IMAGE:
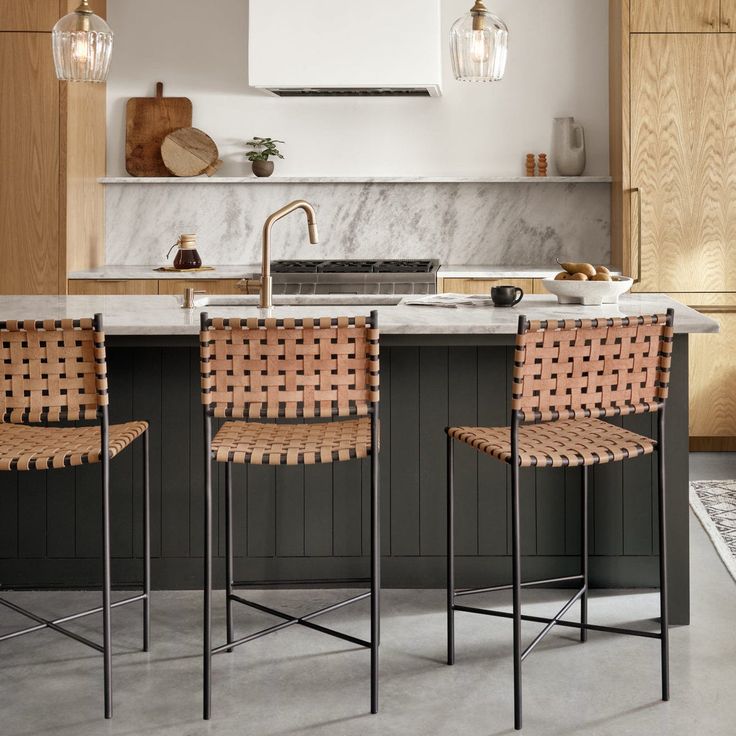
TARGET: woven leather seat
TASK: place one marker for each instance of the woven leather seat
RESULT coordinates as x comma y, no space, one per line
24,447
292,444
558,444
569,378
54,372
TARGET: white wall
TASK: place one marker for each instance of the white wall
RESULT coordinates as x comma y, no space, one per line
558,65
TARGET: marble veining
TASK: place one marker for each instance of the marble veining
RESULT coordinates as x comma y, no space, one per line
463,223
163,315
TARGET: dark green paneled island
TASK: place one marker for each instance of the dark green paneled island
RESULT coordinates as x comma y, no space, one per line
438,367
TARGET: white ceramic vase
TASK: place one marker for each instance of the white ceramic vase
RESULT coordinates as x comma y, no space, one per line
569,147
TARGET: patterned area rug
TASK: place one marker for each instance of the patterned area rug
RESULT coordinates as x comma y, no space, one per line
714,502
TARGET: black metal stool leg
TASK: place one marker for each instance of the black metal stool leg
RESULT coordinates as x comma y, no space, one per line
229,551
663,600
207,684
106,572
375,564
450,551
584,555
146,543
516,551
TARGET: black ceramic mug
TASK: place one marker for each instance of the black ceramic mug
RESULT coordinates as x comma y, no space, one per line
506,296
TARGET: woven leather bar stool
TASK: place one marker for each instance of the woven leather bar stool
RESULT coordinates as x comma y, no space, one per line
568,377
312,369
52,372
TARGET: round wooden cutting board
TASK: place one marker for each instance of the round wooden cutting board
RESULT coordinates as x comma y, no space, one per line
190,152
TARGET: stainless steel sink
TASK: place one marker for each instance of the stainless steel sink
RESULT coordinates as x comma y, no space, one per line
307,300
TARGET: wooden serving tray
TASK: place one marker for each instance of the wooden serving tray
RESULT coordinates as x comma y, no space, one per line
172,269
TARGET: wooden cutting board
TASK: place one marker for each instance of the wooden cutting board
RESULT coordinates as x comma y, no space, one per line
148,121
190,152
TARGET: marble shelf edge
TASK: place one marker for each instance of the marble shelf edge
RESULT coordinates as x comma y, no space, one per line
131,180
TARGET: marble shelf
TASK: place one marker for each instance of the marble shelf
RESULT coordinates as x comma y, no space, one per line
132,180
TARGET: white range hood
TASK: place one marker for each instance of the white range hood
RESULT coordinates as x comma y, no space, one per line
343,48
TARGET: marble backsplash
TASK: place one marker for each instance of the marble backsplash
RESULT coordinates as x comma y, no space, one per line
457,223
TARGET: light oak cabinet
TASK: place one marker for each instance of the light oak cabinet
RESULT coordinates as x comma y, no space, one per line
728,16
713,374
29,169
132,287
52,149
673,165
126,287
683,160
30,15
177,287
675,16
482,286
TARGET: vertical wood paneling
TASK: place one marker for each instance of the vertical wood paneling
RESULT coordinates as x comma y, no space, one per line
385,457
347,494
88,500
147,404
175,387
551,512
318,531
434,415
261,511
196,459
60,489
607,509
404,417
290,512
9,515
32,514
463,399
573,495
637,475
121,468
493,411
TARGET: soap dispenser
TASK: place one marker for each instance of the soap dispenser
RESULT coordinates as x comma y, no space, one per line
186,258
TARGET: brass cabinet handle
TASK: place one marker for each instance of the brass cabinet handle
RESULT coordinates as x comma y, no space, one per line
726,22
637,278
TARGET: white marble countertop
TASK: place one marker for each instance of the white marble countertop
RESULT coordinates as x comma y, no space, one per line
128,180
126,273
163,315
117,273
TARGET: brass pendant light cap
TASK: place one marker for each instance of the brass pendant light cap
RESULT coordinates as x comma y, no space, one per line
84,8
479,11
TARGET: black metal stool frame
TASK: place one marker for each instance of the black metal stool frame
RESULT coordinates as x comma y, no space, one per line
581,594
288,620
107,605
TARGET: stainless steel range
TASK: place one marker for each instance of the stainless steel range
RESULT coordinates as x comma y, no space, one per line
355,277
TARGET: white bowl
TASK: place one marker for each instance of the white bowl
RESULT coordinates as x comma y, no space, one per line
590,293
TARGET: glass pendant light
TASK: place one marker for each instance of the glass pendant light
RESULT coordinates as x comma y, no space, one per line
479,44
82,44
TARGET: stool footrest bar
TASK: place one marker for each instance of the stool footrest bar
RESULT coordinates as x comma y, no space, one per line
529,584
568,624
331,582
290,620
55,624
555,620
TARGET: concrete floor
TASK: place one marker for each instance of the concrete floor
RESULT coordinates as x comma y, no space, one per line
300,682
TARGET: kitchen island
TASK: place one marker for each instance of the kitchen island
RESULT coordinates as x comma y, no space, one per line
439,366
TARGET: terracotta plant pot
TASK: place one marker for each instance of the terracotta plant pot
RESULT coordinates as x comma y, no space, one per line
263,168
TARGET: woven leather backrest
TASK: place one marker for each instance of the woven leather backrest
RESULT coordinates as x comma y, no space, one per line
289,368
591,368
52,371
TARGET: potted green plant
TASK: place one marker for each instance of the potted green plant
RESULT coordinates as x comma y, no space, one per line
264,149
